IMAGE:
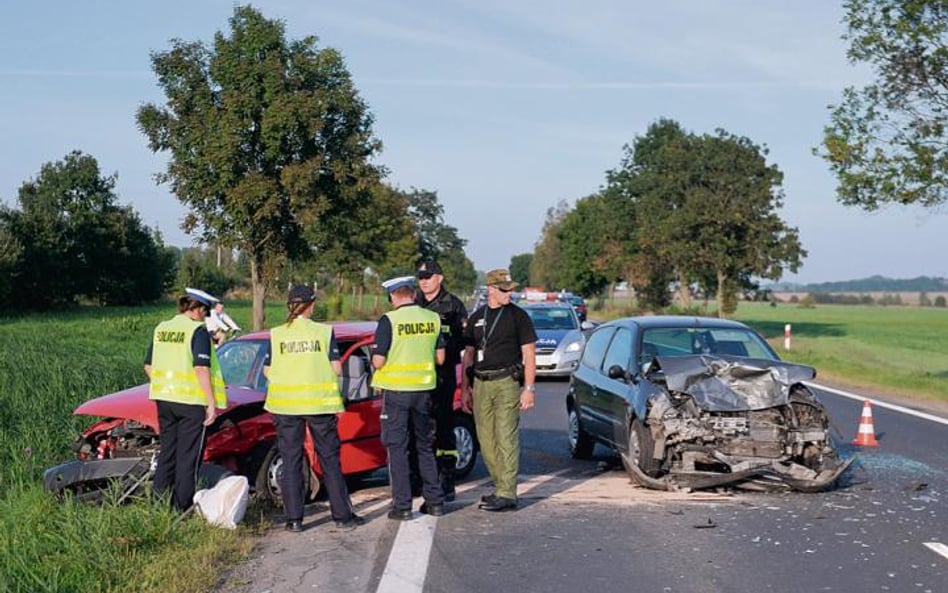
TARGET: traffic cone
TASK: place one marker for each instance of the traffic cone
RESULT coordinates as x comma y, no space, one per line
866,435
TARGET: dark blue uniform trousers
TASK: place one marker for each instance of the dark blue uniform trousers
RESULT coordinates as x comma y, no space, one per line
401,410
322,427
181,444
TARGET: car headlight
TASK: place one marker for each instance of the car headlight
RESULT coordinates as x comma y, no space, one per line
574,347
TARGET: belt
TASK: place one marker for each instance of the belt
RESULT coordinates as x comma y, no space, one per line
492,375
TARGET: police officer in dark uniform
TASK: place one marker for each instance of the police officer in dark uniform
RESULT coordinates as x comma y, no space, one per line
408,346
434,297
302,364
187,387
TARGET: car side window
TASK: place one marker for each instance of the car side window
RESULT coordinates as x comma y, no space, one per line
596,347
355,378
619,352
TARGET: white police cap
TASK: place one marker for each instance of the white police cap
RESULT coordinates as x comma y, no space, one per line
201,296
393,284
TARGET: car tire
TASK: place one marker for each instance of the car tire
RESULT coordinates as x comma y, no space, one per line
581,445
269,479
639,451
466,441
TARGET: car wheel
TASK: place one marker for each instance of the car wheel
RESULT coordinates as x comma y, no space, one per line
269,481
466,440
580,444
639,452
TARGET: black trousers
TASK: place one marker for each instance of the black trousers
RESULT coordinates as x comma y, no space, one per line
401,410
290,435
442,411
181,442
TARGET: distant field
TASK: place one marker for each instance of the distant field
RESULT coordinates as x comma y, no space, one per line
901,350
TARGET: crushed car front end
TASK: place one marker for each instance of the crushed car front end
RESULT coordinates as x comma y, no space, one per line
753,423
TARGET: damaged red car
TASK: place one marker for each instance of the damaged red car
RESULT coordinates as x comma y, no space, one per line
121,447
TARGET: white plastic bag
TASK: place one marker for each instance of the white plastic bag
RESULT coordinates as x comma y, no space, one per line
224,505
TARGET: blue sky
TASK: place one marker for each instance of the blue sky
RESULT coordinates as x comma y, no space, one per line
504,108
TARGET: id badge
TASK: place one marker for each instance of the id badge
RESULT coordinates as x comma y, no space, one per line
480,356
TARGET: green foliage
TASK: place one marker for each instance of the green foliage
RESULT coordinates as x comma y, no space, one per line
520,268
440,241
546,267
51,363
70,239
269,143
198,268
886,142
807,302
940,301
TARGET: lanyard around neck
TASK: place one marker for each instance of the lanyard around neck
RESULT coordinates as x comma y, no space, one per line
488,333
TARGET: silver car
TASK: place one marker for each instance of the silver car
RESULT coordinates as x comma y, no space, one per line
560,337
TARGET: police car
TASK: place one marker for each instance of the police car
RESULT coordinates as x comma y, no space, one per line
560,338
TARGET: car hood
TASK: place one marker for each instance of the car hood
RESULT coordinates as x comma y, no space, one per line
133,404
551,338
732,384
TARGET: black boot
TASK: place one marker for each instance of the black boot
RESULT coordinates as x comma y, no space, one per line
446,466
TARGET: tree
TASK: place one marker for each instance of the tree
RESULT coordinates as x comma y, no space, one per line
10,252
546,266
270,144
520,268
76,241
439,240
888,142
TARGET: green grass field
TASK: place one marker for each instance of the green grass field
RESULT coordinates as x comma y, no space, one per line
897,350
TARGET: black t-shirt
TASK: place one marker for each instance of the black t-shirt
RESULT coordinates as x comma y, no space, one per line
506,329
453,315
200,348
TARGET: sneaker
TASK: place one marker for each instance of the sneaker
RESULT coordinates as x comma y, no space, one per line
488,497
435,510
350,523
294,526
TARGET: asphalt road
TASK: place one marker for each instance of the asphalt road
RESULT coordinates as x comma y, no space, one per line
582,527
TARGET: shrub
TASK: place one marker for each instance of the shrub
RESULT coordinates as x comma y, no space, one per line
940,301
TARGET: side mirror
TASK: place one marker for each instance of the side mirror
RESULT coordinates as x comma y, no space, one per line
587,325
616,372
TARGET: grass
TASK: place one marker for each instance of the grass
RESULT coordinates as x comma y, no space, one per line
900,350
50,364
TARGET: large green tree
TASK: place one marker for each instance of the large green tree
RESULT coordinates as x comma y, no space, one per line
75,240
546,267
270,144
888,142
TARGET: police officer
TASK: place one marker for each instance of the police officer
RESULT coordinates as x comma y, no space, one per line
187,386
500,347
408,345
303,365
434,297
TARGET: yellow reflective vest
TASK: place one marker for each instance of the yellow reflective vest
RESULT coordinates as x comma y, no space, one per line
301,379
172,366
410,362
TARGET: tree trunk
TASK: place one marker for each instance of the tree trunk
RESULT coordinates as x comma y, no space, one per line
721,293
684,291
259,291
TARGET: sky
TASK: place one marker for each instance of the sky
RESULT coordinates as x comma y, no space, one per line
504,108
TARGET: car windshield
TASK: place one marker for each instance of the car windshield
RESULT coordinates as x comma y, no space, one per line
670,342
552,317
241,362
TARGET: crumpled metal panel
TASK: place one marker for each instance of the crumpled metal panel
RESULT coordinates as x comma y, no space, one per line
732,384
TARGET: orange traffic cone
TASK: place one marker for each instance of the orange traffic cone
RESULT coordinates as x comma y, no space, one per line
866,435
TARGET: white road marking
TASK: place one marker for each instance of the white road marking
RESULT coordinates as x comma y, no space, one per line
408,561
882,404
407,564
938,548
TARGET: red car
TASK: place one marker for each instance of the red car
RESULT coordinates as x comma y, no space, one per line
122,446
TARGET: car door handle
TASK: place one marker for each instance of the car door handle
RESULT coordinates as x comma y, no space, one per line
594,391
